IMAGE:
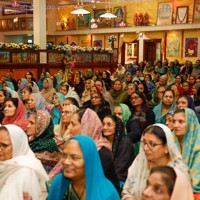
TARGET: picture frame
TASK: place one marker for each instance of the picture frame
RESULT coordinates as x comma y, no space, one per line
16,25
22,23
83,22
30,24
120,12
191,47
97,43
4,24
102,22
10,24
165,11
182,15
196,11
115,55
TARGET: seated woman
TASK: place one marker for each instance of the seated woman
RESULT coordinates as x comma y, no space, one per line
170,181
35,102
186,130
117,93
140,111
40,136
4,95
70,100
131,87
87,122
22,175
169,120
86,93
79,179
25,95
14,112
22,84
61,131
48,90
121,145
142,87
186,101
68,91
57,101
157,148
167,104
99,105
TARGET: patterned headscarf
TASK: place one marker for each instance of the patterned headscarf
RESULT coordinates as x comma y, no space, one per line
191,147
43,140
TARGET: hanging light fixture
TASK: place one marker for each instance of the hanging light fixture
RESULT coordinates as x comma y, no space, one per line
108,14
80,10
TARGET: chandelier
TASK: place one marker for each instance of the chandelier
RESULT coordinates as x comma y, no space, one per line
80,10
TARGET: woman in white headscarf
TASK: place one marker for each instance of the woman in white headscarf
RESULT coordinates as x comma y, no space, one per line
22,176
157,148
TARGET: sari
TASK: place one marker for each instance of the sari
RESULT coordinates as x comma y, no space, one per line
138,172
105,189
23,174
191,147
18,118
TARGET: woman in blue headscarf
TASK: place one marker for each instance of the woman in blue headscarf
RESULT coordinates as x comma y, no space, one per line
43,76
57,101
82,171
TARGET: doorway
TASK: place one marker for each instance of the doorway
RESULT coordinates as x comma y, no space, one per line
152,50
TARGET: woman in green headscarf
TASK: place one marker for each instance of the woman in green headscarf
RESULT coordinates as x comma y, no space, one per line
187,138
40,135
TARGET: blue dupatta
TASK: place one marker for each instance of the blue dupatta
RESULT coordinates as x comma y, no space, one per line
97,186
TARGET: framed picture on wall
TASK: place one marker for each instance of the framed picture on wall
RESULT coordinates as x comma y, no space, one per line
22,24
182,14
102,22
30,24
10,24
4,25
120,12
115,55
191,47
97,43
83,21
16,25
196,12
165,11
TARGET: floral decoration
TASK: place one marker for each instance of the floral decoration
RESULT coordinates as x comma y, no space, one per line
20,46
112,38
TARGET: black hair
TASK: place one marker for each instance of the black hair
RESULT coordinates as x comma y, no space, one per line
168,90
142,96
157,131
168,176
6,94
14,100
73,100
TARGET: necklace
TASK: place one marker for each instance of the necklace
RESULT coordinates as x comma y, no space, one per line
72,191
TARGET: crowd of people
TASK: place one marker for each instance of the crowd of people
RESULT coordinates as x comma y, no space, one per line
131,135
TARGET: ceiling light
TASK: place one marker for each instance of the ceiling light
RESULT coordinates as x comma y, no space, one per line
80,11
108,15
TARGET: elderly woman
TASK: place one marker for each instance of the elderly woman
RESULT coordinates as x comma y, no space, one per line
35,102
157,148
86,93
186,130
48,90
61,131
79,179
40,136
22,175
14,112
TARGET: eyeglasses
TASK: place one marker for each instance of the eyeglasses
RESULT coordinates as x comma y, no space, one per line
108,124
4,146
66,112
134,98
150,145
